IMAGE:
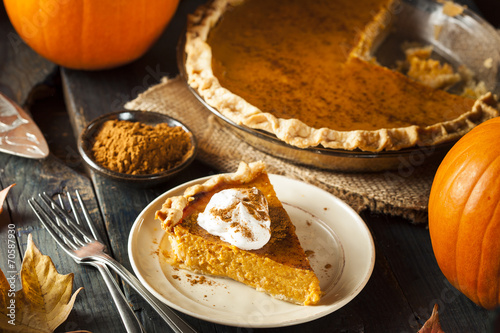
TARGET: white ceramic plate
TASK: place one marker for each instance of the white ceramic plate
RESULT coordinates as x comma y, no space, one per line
339,244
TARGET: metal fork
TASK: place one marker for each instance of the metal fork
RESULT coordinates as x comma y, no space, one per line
130,321
87,249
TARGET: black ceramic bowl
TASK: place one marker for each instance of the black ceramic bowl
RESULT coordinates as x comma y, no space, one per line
87,140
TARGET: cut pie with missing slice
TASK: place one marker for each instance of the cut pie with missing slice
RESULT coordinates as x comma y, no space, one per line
304,72
233,209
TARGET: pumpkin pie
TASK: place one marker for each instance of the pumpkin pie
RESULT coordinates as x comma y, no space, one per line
304,72
276,265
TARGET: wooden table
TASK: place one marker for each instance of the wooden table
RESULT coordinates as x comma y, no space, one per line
406,281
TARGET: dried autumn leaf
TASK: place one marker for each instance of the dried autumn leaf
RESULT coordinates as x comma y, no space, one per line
45,300
432,325
3,195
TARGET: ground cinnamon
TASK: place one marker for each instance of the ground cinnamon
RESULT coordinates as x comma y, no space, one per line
136,148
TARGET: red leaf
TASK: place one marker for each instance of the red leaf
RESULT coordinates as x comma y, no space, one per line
432,325
3,195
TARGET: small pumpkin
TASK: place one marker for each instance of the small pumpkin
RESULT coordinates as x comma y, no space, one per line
90,34
464,215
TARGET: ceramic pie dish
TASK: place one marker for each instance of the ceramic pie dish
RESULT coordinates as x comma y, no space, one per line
457,42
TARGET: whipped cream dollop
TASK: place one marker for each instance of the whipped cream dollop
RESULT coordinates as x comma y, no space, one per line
239,217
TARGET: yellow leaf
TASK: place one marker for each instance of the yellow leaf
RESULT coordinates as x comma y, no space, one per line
45,300
3,195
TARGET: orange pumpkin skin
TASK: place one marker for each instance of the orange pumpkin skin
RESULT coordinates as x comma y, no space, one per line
90,34
464,215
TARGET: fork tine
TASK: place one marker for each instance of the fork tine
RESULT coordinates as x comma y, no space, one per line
63,206
73,208
61,202
77,216
63,225
69,220
58,224
66,244
88,218
59,211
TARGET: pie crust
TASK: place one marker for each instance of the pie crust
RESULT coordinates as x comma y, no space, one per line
280,268
173,208
298,132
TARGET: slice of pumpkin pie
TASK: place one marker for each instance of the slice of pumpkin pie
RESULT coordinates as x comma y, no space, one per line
233,225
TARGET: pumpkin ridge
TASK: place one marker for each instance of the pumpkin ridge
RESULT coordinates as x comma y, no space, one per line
488,226
495,212
144,17
460,226
83,33
119,36
449,184
44,35
449,164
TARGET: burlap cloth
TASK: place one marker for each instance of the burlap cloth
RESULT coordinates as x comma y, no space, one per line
402,192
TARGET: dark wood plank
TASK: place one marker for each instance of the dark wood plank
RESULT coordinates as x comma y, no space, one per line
409,253
9,247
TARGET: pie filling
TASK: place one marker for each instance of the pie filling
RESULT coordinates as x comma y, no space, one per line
303,72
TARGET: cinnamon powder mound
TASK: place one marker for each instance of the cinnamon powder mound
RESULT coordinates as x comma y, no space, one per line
139,149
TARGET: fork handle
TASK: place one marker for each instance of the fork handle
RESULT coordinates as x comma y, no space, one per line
176,323
130,321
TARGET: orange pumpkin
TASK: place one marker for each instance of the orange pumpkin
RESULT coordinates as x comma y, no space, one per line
90,34
464,215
